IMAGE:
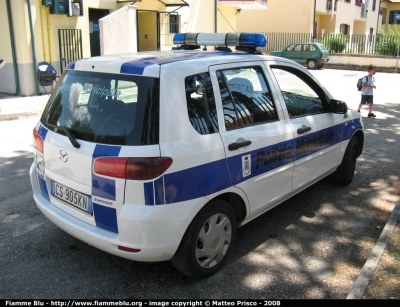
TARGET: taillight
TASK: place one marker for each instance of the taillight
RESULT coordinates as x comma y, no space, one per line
320,56
132,168
37,140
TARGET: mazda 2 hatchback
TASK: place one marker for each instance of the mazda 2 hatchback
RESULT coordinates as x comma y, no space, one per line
160,156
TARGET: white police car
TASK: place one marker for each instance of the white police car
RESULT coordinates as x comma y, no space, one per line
159,156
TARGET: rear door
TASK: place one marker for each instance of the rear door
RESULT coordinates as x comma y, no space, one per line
309,52
258,142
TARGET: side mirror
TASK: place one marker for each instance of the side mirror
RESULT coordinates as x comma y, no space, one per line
337,106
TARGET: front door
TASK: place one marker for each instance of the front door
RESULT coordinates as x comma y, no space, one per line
318,133
293,52
147,30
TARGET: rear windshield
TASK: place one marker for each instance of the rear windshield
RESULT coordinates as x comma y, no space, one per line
106,108
323,48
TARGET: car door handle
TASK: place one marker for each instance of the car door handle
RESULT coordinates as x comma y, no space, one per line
303,129
238,145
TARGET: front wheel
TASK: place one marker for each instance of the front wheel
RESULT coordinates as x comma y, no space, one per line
345,172
311,64
207,241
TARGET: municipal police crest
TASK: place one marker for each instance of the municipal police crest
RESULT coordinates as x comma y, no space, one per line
246,165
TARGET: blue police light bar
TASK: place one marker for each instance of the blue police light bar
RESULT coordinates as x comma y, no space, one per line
221,39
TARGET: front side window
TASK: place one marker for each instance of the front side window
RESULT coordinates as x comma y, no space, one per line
246,97
200,101
294,48
105,108
301,96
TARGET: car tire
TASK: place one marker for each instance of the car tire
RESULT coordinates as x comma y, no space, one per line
320,66
207,241
311,64
345,172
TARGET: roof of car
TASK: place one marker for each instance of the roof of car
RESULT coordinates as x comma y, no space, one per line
148,63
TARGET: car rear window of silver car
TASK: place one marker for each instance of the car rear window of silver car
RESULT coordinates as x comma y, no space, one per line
106,108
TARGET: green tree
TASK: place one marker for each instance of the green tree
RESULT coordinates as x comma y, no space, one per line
335,42
388,43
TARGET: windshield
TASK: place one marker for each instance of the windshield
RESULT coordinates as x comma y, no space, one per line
105,108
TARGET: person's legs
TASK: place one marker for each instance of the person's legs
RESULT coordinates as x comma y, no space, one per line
363,101
370,102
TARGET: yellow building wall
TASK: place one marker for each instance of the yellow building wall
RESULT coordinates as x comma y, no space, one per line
198,17
326,25
226,19
389,7
281,16
43,45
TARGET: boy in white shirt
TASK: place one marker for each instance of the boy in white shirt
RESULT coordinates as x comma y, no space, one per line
368,86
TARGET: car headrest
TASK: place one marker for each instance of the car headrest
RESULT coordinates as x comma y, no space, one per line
241,85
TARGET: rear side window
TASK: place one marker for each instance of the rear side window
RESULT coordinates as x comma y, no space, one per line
200,100
246,97
309,47
106,108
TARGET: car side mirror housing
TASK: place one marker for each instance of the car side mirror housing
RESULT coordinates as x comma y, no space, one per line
337,106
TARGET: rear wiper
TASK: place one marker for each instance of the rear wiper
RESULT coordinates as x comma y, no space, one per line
69,134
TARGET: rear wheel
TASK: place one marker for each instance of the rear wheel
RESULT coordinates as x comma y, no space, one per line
311,64
345,172
207,241
320,66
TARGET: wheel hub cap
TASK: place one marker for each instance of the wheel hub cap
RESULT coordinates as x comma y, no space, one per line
215,240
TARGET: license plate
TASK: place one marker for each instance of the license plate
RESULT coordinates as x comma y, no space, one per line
72,197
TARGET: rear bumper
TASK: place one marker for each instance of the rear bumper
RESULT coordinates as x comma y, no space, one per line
155,230
322,61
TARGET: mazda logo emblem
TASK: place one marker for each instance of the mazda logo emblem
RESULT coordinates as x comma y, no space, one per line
63,156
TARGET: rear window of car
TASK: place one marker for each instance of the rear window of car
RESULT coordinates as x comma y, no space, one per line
106,108
323,48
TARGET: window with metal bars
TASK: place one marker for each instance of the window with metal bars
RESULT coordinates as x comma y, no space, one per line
173,23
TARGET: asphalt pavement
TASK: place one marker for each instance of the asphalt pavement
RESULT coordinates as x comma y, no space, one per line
18,107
